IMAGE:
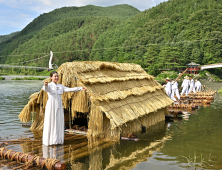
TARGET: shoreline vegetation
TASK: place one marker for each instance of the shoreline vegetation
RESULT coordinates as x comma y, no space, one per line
2,78
203,75
29,78
31,75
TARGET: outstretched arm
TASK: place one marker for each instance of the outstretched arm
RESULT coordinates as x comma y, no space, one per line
74,89
45,87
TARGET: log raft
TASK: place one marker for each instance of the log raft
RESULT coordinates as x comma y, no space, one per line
24,158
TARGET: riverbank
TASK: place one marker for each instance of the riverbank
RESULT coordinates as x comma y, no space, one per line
23,77
24,72
202,76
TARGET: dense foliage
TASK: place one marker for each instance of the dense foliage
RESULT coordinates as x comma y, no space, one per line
58,23
169,35
6,37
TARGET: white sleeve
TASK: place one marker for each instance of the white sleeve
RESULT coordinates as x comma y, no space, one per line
46,88
74,89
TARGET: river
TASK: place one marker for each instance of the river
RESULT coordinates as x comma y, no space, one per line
192,142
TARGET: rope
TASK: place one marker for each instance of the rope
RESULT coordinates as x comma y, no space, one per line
22,54
1,151
49,162
30,60
7,153
14,155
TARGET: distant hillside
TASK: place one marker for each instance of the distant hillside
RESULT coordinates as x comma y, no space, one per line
152,37
169,35
6,37
63,15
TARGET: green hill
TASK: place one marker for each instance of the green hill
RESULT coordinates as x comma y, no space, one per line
48,22
6,37
169,35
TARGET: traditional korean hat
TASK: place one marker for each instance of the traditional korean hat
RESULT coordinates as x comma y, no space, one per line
167,78
186,77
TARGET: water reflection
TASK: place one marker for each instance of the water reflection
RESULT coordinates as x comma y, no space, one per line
170,145
55,152
125,154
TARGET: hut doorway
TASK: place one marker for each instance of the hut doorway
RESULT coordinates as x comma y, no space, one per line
79,123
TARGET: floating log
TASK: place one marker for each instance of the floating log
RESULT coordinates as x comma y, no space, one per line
184,106
76,131
169,116
132,139
21,140
7,154
26,125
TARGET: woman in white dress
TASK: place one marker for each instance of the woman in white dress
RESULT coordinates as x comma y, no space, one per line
53,130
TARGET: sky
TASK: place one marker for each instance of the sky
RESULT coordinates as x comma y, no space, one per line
16,14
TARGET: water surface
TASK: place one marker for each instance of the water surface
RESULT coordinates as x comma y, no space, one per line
194,142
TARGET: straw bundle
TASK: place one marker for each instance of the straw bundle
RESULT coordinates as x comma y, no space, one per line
120,97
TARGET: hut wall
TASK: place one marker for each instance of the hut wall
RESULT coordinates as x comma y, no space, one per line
95,124
132,126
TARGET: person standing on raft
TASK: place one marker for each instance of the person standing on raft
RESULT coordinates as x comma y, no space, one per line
168,87
185,85
53,130
175,89
198,86
192,85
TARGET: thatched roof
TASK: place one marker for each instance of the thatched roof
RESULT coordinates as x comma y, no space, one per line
124,92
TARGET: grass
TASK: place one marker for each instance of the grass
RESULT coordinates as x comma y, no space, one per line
193,162
33,78
29,78
2,78
220,90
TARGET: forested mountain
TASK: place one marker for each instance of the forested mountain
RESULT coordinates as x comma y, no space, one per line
171,34
58,22
6,37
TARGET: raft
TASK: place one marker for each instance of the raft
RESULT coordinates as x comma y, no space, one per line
31,160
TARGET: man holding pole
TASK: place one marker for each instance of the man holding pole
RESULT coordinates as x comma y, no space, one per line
192,85
168,87
185,85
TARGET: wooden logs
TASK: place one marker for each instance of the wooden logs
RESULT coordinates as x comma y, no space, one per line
21,156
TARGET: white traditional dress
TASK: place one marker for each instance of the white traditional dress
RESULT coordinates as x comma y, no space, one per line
53,130
175,90
192,86
185,86
168,88
198,85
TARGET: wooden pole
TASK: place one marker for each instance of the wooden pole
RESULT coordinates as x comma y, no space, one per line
181,75
57,166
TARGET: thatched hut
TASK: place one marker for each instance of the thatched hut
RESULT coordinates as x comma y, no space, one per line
120,98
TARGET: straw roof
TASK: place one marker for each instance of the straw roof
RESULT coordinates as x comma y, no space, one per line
123,91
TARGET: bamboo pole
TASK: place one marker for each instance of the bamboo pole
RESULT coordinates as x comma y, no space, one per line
181,75
86,153
76,137
83,149
57,166
20,140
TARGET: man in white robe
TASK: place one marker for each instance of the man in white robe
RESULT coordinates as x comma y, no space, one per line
168,87
185,85
192,85
175,89
198,85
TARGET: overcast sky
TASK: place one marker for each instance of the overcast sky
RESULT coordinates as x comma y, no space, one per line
16,14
